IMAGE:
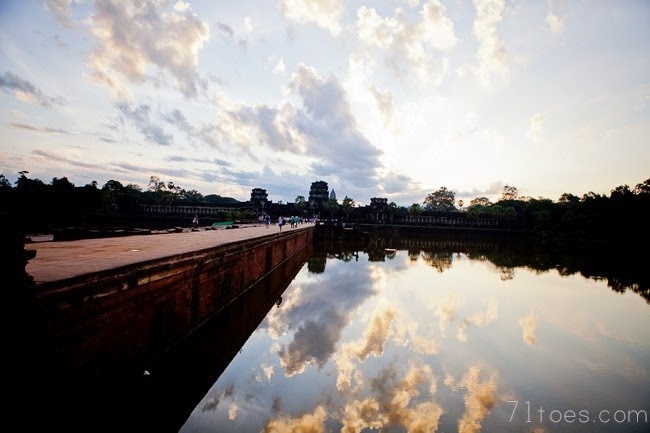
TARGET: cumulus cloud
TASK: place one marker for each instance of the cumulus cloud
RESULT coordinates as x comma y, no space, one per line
312,344
232,412
446,312
317,317
133,36
324,13
535,130
554,23
24,90
276,64
322,129
384,103
528,326
313,422
61,10
181,6
140,117
395,395
248,24
362,414
406,45
481,319
479,399
492,55
372,342
267,372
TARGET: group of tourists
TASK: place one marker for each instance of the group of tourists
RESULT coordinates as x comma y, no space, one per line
293,221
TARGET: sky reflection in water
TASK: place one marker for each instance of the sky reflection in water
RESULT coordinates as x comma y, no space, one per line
436,341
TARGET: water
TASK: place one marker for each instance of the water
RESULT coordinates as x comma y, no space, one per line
444,336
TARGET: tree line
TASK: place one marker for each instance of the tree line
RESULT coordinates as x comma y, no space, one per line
623,212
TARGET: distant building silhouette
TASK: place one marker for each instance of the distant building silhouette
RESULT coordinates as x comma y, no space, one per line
259,199
379,206
333,195
318,196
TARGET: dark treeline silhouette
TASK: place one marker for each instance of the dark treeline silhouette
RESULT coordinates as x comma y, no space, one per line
621,215
42,206
622,269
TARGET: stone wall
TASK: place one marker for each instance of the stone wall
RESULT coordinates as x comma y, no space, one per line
115,322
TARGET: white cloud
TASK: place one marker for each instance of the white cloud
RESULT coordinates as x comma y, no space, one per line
181,6
324,13
554,24
406,46
61,10
492,55
248,24
528,326
277,63
384,103
479,399
535,130
135,36
232,412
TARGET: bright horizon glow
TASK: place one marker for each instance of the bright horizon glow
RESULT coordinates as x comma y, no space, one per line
379,99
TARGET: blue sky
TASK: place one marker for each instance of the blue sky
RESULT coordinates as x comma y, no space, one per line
384,98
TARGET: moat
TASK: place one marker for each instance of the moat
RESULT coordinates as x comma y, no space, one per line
432,334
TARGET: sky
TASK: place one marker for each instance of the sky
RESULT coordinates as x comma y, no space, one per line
387,99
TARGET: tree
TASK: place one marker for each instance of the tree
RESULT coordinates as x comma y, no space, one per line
441,200
642,188
347,206
568,198
621,192
415,209
4,183
480,201
332,206
509,193
392,209
62,184
300,204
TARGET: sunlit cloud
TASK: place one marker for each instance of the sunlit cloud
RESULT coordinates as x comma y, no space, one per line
554,24
313,422
406,46
134,36
232,412
395,396
535,130
181,6
248,24
384,103
362,414
481,319
479,399
25,91
266,374
492,55
372,343
324,13
446,312
529,325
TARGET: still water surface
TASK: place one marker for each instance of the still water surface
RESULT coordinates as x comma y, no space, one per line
439,337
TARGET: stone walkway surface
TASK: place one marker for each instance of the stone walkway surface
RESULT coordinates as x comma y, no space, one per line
60,260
